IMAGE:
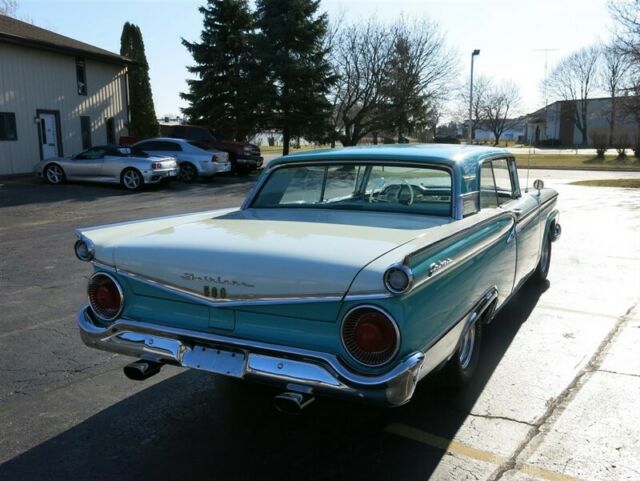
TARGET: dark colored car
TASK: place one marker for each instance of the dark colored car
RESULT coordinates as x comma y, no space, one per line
244,157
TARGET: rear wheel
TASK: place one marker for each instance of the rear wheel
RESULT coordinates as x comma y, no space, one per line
54,174
460,368
188,172
542,271
132,180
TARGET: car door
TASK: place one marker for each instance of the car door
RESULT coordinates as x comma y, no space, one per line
87,165
526,211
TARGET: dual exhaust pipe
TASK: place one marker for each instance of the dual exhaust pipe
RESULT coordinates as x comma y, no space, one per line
287,402
292,402
141,370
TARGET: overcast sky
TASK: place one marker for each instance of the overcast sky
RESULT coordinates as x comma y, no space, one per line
508,33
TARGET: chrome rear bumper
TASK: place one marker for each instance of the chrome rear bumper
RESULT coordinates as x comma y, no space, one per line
292,369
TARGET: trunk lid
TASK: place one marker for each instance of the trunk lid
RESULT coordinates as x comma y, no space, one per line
263,254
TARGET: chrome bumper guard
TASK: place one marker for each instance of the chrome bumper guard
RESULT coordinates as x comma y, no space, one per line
293,369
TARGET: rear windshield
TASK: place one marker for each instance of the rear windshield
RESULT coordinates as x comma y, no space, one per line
359,186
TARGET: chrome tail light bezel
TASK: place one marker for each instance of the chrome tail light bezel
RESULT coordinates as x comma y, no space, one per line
96,310
347,329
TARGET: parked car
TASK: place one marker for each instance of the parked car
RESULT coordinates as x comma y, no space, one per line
112,164
244,157
195,159
351,273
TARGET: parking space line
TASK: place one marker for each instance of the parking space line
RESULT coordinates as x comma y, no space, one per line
455,447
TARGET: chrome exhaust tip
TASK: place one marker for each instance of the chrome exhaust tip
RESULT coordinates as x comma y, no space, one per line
292,402
141,370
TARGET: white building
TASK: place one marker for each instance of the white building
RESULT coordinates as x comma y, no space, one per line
555,124
58,96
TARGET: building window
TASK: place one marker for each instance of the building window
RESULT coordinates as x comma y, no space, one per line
111,131
8,126
85,129
81,76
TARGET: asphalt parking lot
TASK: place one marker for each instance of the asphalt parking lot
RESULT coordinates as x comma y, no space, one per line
555,398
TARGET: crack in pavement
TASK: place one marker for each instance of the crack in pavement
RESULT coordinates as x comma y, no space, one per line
541,425
504,418
618,373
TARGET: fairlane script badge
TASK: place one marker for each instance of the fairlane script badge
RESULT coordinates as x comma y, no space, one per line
190,276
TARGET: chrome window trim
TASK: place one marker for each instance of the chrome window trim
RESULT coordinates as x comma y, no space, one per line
120,294
393,323
396,163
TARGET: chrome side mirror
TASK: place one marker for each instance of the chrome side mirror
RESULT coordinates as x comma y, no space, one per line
538,184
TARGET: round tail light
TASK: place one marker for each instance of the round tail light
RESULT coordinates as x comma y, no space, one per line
370,335
105,296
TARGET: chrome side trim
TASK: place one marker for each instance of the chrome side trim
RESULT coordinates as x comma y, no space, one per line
229,302
457,261
461,233
324,373
245,301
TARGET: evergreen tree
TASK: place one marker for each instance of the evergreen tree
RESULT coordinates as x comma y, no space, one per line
225,93
295,63
143,120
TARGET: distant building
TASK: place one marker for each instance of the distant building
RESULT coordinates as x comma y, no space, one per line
514,131
555,124
58,96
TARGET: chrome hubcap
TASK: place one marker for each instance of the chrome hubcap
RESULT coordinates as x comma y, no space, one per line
54,174
465,351
131,179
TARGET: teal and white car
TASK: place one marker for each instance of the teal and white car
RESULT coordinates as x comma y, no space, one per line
352,273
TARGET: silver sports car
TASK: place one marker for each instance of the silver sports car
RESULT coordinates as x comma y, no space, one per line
128,166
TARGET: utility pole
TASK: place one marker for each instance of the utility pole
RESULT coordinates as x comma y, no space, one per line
470,133
544,90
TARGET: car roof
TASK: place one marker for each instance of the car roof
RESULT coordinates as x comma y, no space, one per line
462,156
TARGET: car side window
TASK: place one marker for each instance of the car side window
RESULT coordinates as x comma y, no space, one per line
488,192
502,176
497,185
92,154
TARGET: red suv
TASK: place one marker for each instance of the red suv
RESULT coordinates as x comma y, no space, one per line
244,157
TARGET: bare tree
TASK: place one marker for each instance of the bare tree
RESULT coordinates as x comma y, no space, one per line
481,87
418,74
499,107
626,15
574,79
613,74
9,8
360,55
389,78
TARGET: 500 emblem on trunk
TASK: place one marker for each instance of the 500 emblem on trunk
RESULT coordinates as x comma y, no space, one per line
213,291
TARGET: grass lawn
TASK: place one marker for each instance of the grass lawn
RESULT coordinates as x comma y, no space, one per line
628,183
577,161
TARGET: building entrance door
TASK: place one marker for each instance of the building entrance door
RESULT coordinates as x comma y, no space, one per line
49,134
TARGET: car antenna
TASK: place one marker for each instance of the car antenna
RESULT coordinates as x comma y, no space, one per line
526,189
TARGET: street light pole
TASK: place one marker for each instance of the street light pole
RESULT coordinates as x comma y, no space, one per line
470,133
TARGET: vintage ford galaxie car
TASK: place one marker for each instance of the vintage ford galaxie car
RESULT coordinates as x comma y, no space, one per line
351,273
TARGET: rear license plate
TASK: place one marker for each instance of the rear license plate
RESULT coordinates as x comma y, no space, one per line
215,360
